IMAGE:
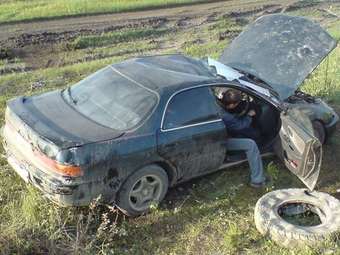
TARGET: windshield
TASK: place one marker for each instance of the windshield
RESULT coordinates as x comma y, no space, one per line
111,100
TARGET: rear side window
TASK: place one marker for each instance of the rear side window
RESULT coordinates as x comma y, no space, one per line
191,107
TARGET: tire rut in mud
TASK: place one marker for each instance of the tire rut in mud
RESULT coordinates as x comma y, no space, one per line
35,45
47,37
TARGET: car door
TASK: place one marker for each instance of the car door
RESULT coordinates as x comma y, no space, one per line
192,134
299,149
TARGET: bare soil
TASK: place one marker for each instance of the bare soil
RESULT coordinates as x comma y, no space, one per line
36,40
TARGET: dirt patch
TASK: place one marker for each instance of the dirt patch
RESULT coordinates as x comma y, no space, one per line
228,34
300,5
16,69
46,37
271,8
212,17
39,43
183,22
6,53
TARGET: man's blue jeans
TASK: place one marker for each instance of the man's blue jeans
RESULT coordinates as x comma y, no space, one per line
253,155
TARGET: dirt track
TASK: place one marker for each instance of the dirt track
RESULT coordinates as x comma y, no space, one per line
33,42
49,31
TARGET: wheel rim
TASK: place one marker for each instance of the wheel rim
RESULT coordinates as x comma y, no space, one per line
146,190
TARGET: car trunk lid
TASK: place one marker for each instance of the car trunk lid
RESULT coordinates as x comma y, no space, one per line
279,49
47,119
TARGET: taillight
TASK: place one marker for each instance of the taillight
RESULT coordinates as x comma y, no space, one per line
68,170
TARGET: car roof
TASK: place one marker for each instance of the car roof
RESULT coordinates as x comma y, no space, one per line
161,72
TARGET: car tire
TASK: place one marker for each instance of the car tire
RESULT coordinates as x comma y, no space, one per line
319,131
146,186
269,222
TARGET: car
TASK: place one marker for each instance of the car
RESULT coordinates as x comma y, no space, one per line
132,129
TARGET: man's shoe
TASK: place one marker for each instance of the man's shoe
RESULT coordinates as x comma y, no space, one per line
259,184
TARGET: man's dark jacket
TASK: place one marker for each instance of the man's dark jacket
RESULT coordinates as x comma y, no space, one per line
239,126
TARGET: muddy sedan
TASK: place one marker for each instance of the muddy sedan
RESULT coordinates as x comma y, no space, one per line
132,129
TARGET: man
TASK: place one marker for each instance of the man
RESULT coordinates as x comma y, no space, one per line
243,136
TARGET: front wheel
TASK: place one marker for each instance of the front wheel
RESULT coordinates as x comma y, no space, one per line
143,188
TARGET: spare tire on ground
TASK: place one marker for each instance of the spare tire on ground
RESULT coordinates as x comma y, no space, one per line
296,217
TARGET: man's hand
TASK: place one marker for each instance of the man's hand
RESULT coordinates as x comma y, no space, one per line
251,113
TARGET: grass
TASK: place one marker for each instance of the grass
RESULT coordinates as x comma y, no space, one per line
11,67
105,39
215,39
335,30
132,48
212,49
325,81
210,215
17,10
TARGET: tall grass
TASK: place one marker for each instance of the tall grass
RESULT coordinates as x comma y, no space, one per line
325,80
16,10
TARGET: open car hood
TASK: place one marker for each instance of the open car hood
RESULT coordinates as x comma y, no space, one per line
281,50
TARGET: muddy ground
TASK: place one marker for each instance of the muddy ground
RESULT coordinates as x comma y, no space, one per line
37,43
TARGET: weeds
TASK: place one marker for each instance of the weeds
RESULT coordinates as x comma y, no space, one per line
211,49
325,81
116,37
273,171
75,231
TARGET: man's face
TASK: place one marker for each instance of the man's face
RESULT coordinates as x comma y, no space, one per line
231,106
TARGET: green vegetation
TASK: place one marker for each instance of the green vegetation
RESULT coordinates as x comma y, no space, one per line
14,65
210,215
16,10
215,37
116,37
334,29
211,49
325,81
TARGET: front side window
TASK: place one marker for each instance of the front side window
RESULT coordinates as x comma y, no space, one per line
190,107
111,100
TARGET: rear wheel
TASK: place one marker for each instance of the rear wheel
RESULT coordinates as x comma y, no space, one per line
319,131
143,188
